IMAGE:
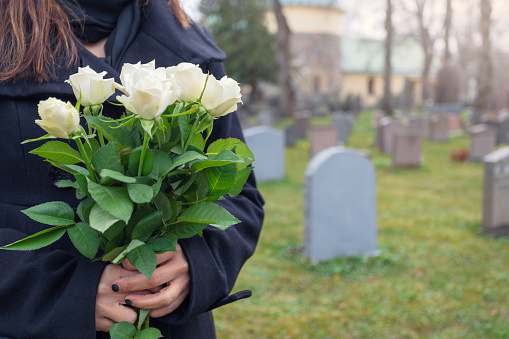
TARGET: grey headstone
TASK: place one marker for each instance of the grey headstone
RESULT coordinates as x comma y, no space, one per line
482,141
419,125
291,135
387,133
344,122
378,130
340,205
268,147
501,125
439,128
302,123
496,192
407,150
322,137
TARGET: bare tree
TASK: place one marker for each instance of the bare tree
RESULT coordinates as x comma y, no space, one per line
286,93
387,102
484,76
428,46
447,31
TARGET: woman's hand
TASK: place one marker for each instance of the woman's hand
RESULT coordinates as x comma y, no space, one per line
169,284
109,305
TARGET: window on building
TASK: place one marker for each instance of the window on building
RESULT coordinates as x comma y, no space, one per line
371,86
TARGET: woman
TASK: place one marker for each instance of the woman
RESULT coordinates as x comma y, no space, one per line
55,292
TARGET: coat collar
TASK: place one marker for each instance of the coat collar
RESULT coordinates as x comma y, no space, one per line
160,34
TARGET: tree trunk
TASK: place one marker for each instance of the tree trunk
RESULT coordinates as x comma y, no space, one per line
387,103
286,93
447,31
427,46
484,77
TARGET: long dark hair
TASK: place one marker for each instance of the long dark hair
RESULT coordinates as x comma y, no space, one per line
36,35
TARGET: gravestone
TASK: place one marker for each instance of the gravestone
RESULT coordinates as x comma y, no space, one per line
501,125
378,130
291,135
419,125
340,206
388,131
407,150
496,192
322,137
454,123
302,123
482,141
344,122
268,147
439,128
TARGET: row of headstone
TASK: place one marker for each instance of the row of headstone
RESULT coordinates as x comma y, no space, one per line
340,205
501,126
403,143
482,141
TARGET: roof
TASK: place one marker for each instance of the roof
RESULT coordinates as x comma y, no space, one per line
368,56
317,3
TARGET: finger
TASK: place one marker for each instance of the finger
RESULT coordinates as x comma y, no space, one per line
163,298
121,313
159,312
104,324
161,275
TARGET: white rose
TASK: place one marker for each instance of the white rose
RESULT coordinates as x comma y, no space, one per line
221,96
149,91
59,119
92,85
189,78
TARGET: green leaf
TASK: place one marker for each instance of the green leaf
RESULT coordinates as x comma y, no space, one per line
83,209
205,123
141,318
85,239
144,259
106,173
107,127
55,213
147,126
44,137
184,128
162,245
149,333
132,245
140,194
240,180
148,224
37,240
164,204
162,165
199,189
240,149
101,220
107,157
114,230
134,160
58,151
122,330
114,200
110,256
225,157
91,146
183,229
197,141
185,158
221,179
208,213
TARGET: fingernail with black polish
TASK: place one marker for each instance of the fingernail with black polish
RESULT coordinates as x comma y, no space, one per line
129,302
115,287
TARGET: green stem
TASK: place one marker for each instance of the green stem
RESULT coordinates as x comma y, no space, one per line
191,133
146,323
143,150
86,159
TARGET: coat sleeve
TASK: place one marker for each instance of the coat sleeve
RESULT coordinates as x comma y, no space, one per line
48,293
215,259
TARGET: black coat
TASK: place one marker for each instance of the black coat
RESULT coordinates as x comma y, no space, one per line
50,293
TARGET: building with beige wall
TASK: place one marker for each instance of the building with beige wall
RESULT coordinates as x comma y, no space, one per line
363,69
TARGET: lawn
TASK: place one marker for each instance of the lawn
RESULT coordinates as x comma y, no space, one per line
437,276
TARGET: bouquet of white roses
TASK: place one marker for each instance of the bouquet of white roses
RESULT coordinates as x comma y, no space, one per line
147,180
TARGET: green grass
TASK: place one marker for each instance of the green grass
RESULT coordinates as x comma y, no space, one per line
437,275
